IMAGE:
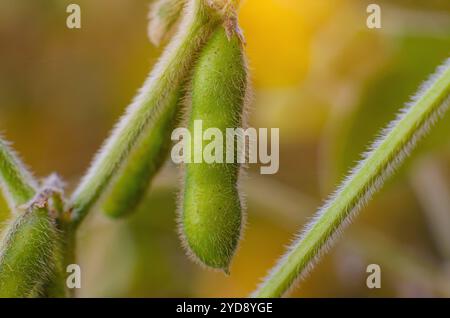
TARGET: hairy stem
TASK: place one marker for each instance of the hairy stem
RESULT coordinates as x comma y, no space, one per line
385,155
163,82
17,184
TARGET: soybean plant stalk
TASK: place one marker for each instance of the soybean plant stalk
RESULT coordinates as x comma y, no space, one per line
385,155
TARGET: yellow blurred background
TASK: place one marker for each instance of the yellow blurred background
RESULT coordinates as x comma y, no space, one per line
320,75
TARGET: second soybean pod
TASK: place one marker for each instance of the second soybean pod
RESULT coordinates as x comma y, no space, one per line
212,216
134,178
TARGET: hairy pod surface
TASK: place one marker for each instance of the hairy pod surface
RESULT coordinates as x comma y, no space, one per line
134,178
27,257
385,155
212,215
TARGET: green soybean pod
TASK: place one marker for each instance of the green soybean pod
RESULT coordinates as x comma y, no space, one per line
212,212
134,177
27,257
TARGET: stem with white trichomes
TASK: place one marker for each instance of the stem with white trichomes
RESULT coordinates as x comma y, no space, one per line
386,154
433,193
163,16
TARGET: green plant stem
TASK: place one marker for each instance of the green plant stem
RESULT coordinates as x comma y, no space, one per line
387,153
163,82
18,185
282,210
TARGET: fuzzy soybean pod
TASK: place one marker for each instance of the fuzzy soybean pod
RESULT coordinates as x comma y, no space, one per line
212,214
134,177
27,256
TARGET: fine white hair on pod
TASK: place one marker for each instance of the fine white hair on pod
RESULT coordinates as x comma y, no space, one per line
16,181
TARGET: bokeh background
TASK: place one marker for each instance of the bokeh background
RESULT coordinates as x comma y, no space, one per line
320,75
